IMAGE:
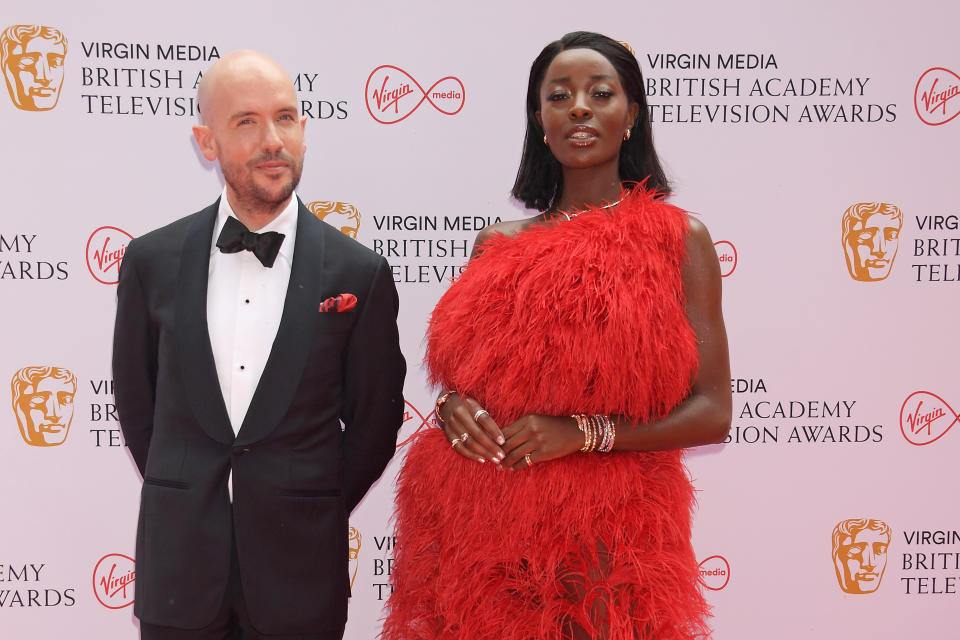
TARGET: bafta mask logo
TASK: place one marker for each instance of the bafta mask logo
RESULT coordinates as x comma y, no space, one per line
860,553
43,404
32,59
342,216
354,540
871,235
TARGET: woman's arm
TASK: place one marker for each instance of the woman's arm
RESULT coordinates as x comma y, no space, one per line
702,418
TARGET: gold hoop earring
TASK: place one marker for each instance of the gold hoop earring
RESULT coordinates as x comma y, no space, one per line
626,136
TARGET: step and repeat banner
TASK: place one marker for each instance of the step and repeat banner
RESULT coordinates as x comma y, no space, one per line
816,141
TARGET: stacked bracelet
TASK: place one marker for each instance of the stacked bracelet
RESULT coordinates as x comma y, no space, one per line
440,401
599,432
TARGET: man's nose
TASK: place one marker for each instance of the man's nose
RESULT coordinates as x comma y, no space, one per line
869,559
879,244
271,137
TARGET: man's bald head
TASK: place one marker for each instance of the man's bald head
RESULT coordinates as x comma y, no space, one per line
237,71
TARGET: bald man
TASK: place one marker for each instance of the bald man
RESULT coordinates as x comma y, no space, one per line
258,379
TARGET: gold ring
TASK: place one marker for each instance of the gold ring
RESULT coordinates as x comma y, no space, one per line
479,414
529,461
455,442
464,436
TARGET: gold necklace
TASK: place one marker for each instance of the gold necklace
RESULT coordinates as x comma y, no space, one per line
571,216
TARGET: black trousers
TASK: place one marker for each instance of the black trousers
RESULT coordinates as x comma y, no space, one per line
231,622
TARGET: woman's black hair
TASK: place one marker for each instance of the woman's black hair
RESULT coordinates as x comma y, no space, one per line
540,180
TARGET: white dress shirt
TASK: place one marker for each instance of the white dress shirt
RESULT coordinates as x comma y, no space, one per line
244,306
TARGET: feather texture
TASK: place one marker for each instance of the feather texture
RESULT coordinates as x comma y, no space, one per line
581,316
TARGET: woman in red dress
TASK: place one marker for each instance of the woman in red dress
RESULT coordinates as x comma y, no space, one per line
578,354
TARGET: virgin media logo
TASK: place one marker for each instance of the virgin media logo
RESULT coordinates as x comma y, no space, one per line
937,96
105,249
113,579
392,95
715,573
925,418
727,256
413,423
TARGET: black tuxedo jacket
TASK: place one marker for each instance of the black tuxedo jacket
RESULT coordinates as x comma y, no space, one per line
296,473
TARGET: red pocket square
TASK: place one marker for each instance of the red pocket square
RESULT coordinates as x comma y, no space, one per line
339,303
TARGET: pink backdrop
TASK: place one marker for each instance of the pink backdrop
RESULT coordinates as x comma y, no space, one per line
773,121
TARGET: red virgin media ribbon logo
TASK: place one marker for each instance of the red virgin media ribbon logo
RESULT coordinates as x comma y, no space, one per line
937,96
715,573
926,417
727,256
113,580
392,94
412,419
105,249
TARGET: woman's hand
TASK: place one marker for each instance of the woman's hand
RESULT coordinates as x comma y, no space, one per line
471,431
542,437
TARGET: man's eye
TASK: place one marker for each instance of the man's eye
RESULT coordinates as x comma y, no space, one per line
865,236
37,400
893,234
66,398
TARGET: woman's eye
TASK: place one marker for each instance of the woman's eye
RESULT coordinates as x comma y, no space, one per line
557,96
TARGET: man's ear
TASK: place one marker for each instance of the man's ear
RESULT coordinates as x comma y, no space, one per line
204,138
303,128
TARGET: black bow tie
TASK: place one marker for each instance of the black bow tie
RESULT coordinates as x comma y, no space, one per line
235,237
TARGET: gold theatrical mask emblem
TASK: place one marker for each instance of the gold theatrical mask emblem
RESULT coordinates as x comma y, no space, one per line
32,58
860,553
871,236
354,540
342,216
43,404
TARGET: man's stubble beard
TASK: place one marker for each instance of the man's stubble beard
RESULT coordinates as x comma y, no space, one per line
252,196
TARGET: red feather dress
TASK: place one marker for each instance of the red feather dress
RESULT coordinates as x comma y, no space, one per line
579,316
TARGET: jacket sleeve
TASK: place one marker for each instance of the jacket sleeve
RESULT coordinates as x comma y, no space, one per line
134,360
373,388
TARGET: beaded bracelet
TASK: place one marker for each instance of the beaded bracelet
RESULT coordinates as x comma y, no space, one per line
599,432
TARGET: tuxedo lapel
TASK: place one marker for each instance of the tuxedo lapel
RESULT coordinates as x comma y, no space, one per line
284,368
195,355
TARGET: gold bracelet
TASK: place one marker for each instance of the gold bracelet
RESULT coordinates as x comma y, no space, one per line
440,402
581,424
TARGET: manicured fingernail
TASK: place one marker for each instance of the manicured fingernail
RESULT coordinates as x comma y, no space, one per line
500,440
480,460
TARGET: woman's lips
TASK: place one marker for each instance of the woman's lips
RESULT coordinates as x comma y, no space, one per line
583,136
